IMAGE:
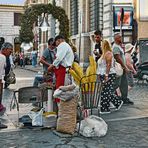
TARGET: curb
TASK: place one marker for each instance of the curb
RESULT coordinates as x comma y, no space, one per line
32,70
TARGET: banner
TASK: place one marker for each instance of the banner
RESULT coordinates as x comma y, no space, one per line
127,20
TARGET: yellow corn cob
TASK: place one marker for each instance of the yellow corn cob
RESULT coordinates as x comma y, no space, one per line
92,64
75,76
85,86
88,71
79,71
91,70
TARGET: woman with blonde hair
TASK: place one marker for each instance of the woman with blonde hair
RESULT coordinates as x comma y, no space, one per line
106,70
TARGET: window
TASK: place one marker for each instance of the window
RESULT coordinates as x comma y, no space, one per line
143,10
17,19
74,17
96,14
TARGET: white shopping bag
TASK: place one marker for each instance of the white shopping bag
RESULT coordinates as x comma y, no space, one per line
37,118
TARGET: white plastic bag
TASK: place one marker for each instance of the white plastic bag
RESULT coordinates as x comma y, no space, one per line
37,118
99,125
66,93
93,126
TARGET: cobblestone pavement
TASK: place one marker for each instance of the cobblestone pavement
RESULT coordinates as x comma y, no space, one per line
127,128
126,134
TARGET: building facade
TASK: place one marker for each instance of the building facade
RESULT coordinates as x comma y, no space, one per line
141,16
111,19
89,15
10,24
41,37
85,17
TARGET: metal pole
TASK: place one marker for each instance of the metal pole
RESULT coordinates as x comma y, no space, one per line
80,31
121,30
121,21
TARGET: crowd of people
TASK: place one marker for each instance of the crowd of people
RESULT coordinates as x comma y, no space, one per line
59,56
115,90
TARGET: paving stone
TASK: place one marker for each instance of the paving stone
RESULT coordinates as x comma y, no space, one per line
128,127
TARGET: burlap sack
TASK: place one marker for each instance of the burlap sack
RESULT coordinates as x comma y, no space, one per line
66,122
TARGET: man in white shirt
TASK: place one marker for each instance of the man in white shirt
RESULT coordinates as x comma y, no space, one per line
64,59
6,50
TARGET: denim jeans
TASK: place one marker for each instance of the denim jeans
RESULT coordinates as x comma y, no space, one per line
38,80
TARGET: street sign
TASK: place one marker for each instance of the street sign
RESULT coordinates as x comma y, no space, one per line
124,15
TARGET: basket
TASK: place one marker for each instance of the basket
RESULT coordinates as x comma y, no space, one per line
66,122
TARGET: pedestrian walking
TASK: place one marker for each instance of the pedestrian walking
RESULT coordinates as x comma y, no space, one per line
119,56
129,63
21,56
106,70
34,57
6,51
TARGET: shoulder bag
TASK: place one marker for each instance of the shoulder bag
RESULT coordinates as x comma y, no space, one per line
118,69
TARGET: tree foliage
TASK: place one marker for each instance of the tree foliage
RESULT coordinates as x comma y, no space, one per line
31,15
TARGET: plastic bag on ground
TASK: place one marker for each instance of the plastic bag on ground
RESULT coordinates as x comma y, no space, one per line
37,118
93,126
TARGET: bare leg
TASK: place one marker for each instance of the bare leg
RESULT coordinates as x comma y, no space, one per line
118,92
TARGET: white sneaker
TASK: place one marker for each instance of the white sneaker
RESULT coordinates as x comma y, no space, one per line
105,112
112,106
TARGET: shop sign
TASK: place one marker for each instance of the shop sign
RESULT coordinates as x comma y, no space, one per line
127,21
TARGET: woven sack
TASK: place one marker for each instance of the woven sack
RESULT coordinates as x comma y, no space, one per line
66,122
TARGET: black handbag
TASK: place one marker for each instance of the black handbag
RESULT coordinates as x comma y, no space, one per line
10,78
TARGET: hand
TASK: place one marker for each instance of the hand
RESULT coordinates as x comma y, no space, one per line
106,78
95,52
134,72
126,70
50,68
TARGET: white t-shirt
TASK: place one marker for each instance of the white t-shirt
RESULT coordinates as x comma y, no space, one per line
2,65
64,56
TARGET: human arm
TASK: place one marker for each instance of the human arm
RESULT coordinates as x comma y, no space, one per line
96,53
50,68
44,57
43,61
108,59
118,58
11,61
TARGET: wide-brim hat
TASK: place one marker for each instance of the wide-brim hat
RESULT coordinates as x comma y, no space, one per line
128,47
